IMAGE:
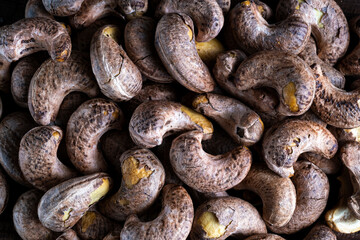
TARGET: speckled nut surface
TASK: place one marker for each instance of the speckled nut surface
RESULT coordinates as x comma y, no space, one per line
267,236
278,194
224,5
143,177
84,129
320,232
175,44
207,15
282,145
35,8
312,191
62,7
63,205
221,217
117,76
12,129
173,222
133,8
68,235
25,218
38,158
222,172
153,120
4,192
53,81
328,166
288,74
240,122
328,23
139,43
252,33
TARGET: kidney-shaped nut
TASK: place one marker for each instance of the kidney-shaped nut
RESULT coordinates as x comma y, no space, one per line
53,81
278,194
219,218
84,130
143,177
117,76
153,120
133,8
320,232
35,8
265,237
239,121
283,144
221,173
4,192
175,44
173,222
62,206
62,7
288,74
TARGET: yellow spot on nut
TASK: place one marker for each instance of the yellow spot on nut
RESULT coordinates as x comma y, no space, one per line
198,100
190,33
210,224
56,135
355,132
131,172
105,113
87,220
115,114
100,191
246,3
318,16
289,96
123,202
66,215
342,220
208,51
199,120
299,3
260,8
62,56
112,32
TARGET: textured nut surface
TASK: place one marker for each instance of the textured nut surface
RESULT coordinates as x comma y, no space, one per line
35,8
133,8
320,232
4,192
62,7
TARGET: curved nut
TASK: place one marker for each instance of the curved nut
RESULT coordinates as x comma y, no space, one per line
206,14
143,177
320,232
153,120
26,220
283,145
139,43
35,8
133,8
68,235
84,129
312,192
328,166
239,121
38,158
173,223
288,74
278,194
224,5
117,76
4,192
265,237
175,45
62,206
62,8
252,32
222,172
221,217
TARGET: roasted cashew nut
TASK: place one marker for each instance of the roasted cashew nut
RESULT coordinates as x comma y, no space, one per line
320,232
173,223
4,192
267,236
328,166
62,8
35,8
133,8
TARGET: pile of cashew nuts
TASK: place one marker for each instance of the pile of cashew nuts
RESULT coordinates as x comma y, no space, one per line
180,119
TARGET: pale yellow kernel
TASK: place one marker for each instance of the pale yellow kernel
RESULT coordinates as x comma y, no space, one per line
210,224
131,172
289,97
199,120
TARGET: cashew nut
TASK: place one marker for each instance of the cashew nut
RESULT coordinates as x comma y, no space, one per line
265,237
224,5
133,8
4,192
320,232
328,166
35,8
62,8
68,235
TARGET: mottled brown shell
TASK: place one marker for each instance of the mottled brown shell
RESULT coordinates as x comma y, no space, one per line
328,166
62,7
133,8
320,232
68,235
35,8
224,5
4,192
265,237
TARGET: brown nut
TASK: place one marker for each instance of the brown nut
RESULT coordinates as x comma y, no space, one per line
139,43
312,192
282,145
208,51
175,44
143,177
133,8
62,7
62,206
320,232
278,194
239,121
153,120
84,130
68,235
53,81
173,223
328,166
221,217
265,237
35,8
224,5
206,14
113,235
118,77
288,74
26,220
222,172
328,23
38,158
4,192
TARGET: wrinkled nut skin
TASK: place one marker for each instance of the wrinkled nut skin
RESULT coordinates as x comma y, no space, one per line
12,129
288,74
240,122
135,197
312,192
239,218
62,8
252,33
62,206
4,192
68,235
265,237
175,44
224,5
282,145
206,14
139,43
320,232
328,23
35,8
53,81
222,172
38,158
118,77
25,218
113,235
84,129
133,8
173,223
154,120
328,166
278,194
